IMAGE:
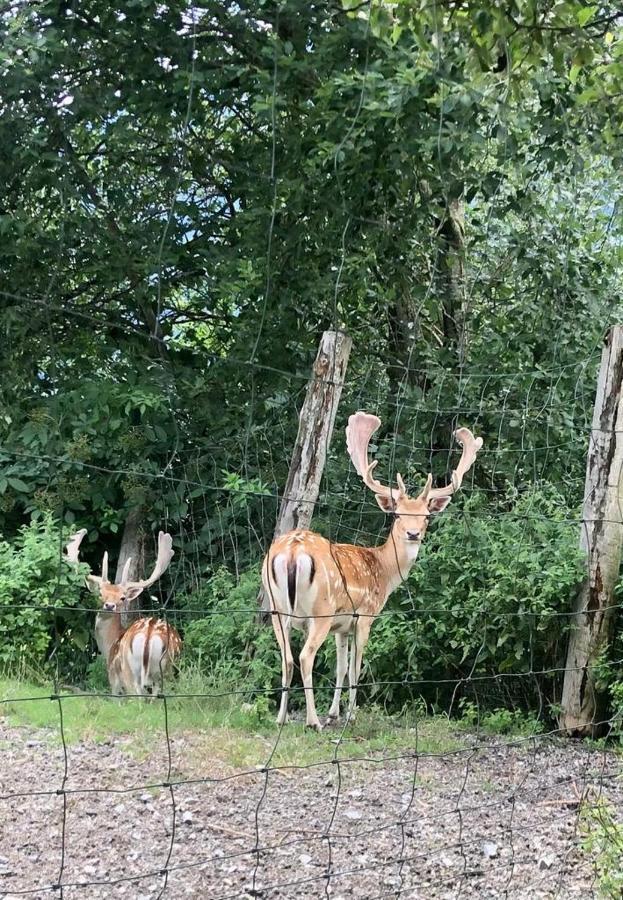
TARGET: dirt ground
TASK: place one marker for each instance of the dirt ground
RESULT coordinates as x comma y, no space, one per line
496,819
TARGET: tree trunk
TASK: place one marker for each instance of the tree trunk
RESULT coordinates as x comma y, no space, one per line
601,539
450,270
132,545
316,421
403,319
449,286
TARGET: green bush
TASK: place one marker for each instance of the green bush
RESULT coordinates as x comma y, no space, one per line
96,676
602,840
39,626
498,721
484,598
229,644
609,673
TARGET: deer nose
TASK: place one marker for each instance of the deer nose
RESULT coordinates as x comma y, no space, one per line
413,535
109,607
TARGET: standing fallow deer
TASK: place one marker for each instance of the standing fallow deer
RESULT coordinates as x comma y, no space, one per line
137,657
321,587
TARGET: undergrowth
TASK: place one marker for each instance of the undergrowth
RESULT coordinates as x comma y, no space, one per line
602,840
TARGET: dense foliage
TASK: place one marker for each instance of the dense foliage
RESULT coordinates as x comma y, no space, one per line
193,192
39,626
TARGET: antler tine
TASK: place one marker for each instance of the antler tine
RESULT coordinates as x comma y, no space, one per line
427,488
72,556
165,555
126,570
72,547
361,427
471,446
105,568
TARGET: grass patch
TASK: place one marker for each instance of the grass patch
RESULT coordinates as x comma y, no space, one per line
512,722
224,727
602,840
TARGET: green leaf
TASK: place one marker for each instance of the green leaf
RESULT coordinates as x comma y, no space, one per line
586,14
17,484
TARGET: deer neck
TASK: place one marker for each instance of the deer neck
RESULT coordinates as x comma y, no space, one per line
108,630
397,558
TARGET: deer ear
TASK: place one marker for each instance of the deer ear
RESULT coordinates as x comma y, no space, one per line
93,583
438,504
387,504
133,592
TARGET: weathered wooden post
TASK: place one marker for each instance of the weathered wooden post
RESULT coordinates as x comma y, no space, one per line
316,421
601,539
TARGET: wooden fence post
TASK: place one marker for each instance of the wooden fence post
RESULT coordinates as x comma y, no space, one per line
316,421
601,539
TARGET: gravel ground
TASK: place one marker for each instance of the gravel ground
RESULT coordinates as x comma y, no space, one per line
495,820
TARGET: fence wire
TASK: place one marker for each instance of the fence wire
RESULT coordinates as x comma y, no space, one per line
417,798
455,779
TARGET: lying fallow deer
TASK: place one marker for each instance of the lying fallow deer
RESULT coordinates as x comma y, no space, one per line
322,587
137,657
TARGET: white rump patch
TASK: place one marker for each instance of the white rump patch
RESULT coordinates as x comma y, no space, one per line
280,568
303,569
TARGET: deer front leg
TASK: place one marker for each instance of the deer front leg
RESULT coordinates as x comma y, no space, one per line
359,641
341,648
318,630
281,627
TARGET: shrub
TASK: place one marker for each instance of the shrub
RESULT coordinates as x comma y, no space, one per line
39,625
485,598
602,835
229,644
498,721
609,673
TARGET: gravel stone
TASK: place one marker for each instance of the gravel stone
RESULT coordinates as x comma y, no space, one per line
496,820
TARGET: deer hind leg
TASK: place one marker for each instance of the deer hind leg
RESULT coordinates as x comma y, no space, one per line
318,630
115,680
162,672
281,627
341,648
358,645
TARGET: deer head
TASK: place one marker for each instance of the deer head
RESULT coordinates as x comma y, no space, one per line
412,514
115,597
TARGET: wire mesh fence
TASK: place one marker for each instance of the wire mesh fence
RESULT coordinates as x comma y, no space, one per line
454,778
159,332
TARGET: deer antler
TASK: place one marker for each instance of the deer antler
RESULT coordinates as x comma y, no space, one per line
361,427
165,555
471,446
72,547
105,568
72,556
126,570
